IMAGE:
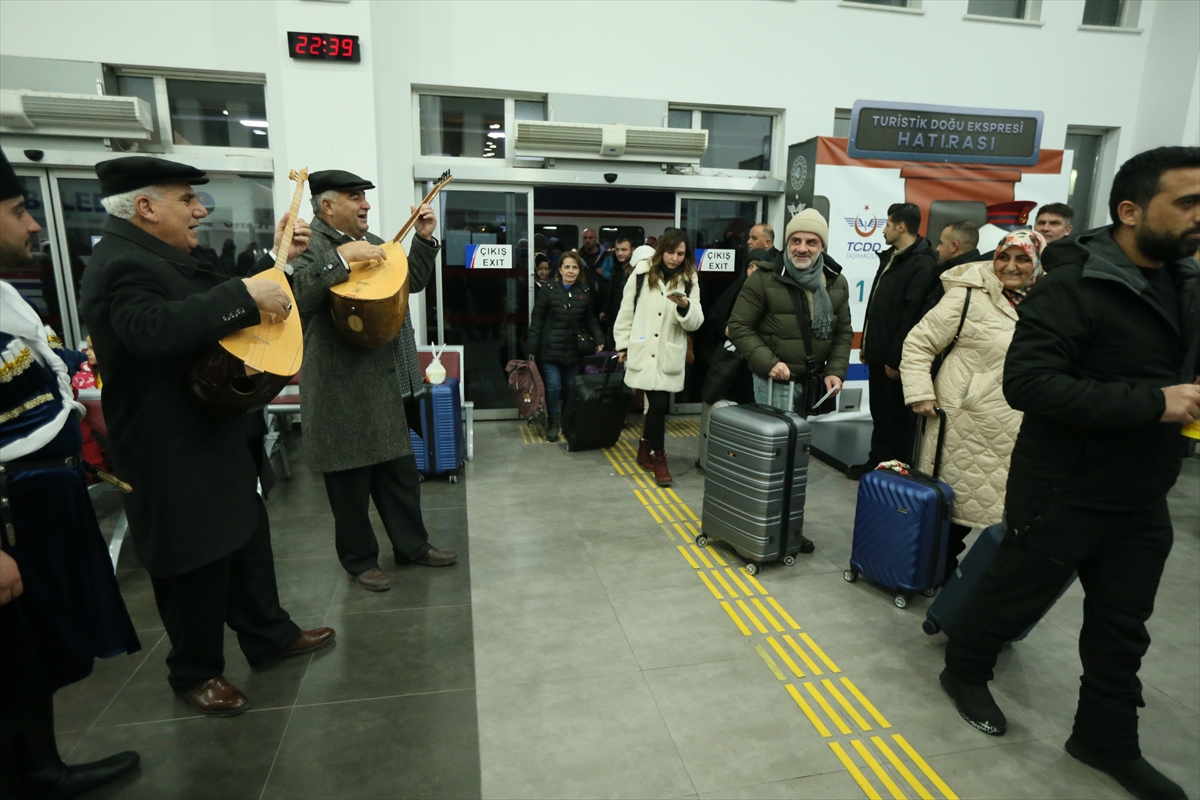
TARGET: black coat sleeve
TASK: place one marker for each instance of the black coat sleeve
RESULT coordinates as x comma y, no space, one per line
537,320
422,260
1039,378
914,303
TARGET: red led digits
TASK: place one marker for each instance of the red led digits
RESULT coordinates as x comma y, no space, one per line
347,48
314,49
301,43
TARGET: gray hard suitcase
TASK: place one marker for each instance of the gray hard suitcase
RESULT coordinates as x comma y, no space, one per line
705,417
755,483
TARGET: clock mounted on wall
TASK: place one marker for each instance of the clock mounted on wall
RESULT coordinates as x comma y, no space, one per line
324,46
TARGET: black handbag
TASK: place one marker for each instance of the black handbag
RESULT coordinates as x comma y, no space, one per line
814,377
585,343
723,366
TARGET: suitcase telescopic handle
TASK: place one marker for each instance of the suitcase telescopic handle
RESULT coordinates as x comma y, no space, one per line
610,366
941,440
771,390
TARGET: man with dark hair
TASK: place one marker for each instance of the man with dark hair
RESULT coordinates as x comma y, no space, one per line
762,237
1053,221
896,302
617,265
1104,364
958,245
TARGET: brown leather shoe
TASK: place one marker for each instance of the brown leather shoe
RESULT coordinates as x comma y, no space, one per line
437,558
216,697
310,642
373,580
662,476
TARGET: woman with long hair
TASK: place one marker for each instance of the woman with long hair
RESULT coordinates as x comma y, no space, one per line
659,307
564,328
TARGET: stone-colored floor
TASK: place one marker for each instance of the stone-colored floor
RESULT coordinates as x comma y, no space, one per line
602,665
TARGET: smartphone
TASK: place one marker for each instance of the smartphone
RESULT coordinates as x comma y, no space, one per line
677,293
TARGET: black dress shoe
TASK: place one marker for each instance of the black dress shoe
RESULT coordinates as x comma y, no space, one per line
806,544
433,558
1138,777
61,781
858,470
975,704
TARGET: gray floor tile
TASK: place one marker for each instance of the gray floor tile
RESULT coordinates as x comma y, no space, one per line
139,597
639,563
390,653
78,706
414,746
829,786
591,737
557,568
412,587
306,586
1170,745
1035,769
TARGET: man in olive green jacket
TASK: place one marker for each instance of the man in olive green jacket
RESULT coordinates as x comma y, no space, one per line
765,325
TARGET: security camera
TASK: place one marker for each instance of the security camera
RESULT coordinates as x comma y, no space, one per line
611,177
38,155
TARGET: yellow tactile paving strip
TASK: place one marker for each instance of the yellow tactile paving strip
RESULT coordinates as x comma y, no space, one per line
676,428
837,709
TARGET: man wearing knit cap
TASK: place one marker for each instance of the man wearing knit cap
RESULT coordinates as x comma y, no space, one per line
781,338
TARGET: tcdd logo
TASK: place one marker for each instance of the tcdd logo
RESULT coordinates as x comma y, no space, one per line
865,224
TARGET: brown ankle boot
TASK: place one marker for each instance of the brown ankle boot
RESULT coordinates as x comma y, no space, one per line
662,476
643,456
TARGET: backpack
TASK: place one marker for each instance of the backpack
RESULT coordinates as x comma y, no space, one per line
528,392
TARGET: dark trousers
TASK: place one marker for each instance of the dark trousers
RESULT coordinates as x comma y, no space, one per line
895,424
654,431
395,486
238,590
559,378
1120,557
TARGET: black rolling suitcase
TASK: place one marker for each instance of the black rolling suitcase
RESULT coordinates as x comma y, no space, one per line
943,613
595,409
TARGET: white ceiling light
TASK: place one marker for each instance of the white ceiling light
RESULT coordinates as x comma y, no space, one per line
254,123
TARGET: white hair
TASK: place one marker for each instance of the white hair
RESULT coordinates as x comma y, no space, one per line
331,196
124,205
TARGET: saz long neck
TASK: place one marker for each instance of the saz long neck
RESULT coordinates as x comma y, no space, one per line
437,187
285,242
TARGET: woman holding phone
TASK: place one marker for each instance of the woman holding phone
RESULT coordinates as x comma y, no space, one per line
660,306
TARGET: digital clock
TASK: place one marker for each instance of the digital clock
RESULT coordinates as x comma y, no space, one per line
328,46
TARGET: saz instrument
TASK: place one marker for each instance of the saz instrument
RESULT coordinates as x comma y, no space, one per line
247,369
369,307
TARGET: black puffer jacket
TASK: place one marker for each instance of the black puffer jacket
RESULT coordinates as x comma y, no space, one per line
897,301
1088,361
937,289
559,316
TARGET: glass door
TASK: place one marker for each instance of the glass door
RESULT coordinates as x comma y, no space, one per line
482,291
42,282
720,222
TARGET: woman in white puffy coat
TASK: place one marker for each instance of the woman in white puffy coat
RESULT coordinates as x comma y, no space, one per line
660,306
980,425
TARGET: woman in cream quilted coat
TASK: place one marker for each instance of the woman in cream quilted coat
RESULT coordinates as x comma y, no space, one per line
981,427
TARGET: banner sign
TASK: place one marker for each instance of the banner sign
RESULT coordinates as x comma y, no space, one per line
714,259
801,174
489,256
913,132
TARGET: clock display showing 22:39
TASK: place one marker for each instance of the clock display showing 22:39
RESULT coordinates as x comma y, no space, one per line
323,46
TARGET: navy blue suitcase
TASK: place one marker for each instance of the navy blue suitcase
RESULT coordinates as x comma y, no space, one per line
439,446
944,612
901,527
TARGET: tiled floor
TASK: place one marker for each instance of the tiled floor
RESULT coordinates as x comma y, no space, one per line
602,666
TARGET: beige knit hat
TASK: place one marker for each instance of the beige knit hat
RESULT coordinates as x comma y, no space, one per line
808,221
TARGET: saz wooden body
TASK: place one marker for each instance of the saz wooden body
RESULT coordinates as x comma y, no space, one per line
247,369
369,308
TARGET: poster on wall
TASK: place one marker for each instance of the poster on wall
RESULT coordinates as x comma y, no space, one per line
949,134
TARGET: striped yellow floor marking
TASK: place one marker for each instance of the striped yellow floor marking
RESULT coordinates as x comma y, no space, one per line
754,581
675,509
721,580
746,610
682,504
695,533
845,704
861,698
928,770
855,772
879,771
639,495
828,709
808,662
688,556
663,510
740,585
778,648
654,514
736,619
715,552
613,461
699,551
670,534
903,769
771,665
710,586
524,435
763,610
820,653
808,711
786,616
682,533
638,480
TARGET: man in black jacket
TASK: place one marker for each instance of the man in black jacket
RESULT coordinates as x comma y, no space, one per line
958,245
199,527
895,305
1104,364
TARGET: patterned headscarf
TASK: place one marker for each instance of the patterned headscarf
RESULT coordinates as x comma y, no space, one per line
1033,243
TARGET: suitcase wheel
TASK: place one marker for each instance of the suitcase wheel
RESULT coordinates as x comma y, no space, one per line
930,627
420,478
751,568
789,561
901,601
702,540
851,575
453,477
930,592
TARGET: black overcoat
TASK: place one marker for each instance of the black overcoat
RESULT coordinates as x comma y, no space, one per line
151,309
896,302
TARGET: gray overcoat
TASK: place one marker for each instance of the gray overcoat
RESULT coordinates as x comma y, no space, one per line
353,397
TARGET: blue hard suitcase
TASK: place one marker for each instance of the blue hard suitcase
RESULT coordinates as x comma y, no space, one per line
439,446
901,528
952,600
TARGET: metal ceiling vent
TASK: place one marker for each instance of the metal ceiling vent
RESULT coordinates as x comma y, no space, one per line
84,115
586,141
